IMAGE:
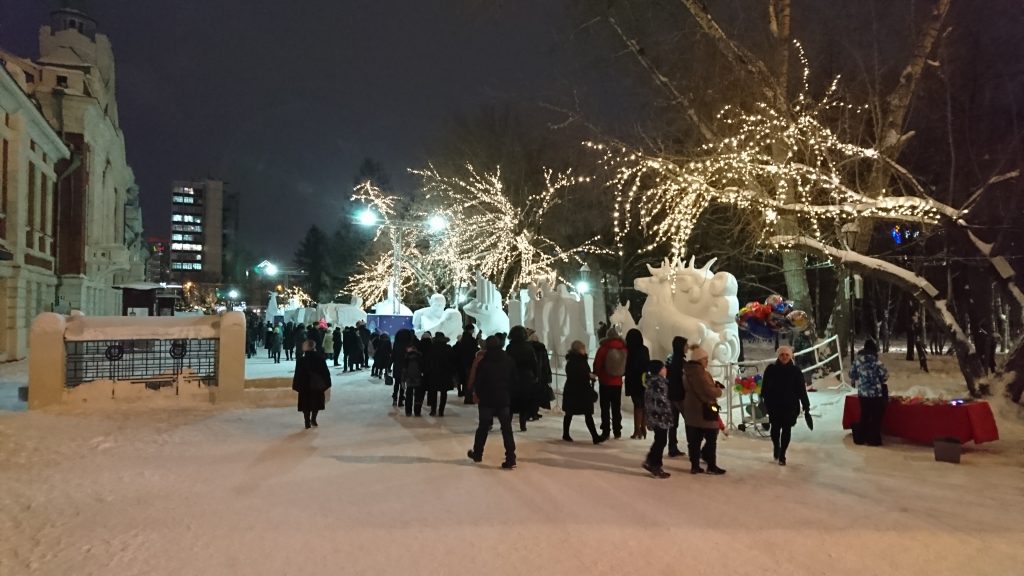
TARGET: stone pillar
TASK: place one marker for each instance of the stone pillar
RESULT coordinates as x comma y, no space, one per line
46,367
231,358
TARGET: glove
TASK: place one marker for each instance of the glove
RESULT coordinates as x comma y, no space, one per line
810,422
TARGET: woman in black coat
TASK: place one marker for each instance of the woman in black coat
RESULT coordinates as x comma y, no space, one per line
638,359
783,393
440,373
524,385
544,377
579,395
311,380
402,339
382,355
336,340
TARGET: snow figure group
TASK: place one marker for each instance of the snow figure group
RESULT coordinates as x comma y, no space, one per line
437,318
486,308
683,300
557,316
344,314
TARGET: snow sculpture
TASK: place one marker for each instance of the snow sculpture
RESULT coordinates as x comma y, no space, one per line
486,308
694,303
436,318
386,306
558,317
344,314
621,319
272,309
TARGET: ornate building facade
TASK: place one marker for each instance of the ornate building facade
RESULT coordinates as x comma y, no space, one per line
88,227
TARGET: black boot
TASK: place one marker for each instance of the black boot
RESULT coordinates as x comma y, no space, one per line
565,428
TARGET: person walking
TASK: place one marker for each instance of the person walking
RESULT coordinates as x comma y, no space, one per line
351,348
382,355
700,411
676,392
311,380
524,384
545,394
403,338
440,372
610,366
638,360
277,343
784,392
329,344
298,340
493,378
364,342
415,386
465,352
578,396
289,348
869,376
659,416
268,336
336,343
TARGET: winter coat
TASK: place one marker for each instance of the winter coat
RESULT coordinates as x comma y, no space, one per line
402,340
603,376
412,372
525,389
276,341
352,346
578,394
700,390
267,337
869,376
465,351
364,336
471,379
676,375
336,340
657,408
784,393
308,364
544,377
493,379
329,344
382,353
637,362
440,366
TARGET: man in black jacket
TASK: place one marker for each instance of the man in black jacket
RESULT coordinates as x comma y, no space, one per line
465,351
492,382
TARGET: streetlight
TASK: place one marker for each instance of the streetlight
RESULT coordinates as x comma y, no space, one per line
583,285
270,269
233,294
852,285
435,224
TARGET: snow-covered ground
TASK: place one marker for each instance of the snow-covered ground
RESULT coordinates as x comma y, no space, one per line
215,490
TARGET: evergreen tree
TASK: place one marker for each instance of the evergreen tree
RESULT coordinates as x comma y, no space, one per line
313,257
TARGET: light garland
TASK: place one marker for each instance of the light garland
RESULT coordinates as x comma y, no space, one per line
770,163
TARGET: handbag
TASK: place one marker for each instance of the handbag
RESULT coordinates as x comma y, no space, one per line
593,396
710,410
389,380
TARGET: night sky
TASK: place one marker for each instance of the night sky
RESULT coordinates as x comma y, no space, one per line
284,99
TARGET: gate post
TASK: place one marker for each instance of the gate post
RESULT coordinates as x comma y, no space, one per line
231,358
47,364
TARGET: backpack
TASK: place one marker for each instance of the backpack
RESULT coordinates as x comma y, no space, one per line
615,362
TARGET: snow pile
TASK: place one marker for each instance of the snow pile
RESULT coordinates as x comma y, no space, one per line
91,328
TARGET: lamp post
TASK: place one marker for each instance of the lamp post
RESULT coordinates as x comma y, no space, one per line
396,228
583,284
851,286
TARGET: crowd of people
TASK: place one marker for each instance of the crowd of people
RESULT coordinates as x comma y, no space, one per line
508,375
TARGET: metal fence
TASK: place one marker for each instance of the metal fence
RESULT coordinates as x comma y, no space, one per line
155,363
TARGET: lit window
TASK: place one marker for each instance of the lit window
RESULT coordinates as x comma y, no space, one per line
184,200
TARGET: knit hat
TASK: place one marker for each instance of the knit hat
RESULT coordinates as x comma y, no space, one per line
697,353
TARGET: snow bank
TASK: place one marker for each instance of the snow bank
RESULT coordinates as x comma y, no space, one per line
86,328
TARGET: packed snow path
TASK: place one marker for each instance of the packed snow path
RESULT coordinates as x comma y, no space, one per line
249,491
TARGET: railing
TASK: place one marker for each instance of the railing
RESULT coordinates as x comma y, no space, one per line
155,363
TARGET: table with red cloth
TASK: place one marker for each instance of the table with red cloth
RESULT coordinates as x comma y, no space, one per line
923,422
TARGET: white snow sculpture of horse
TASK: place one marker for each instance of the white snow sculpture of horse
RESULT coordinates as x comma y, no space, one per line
621,319
486,308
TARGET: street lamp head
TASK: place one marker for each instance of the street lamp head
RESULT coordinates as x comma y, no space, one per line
583,286
233,294
270,269
437,223
367,217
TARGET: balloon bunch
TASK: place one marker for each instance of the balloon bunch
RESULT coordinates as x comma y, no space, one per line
746,385
775,315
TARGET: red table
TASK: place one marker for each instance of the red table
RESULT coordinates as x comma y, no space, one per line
923,423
